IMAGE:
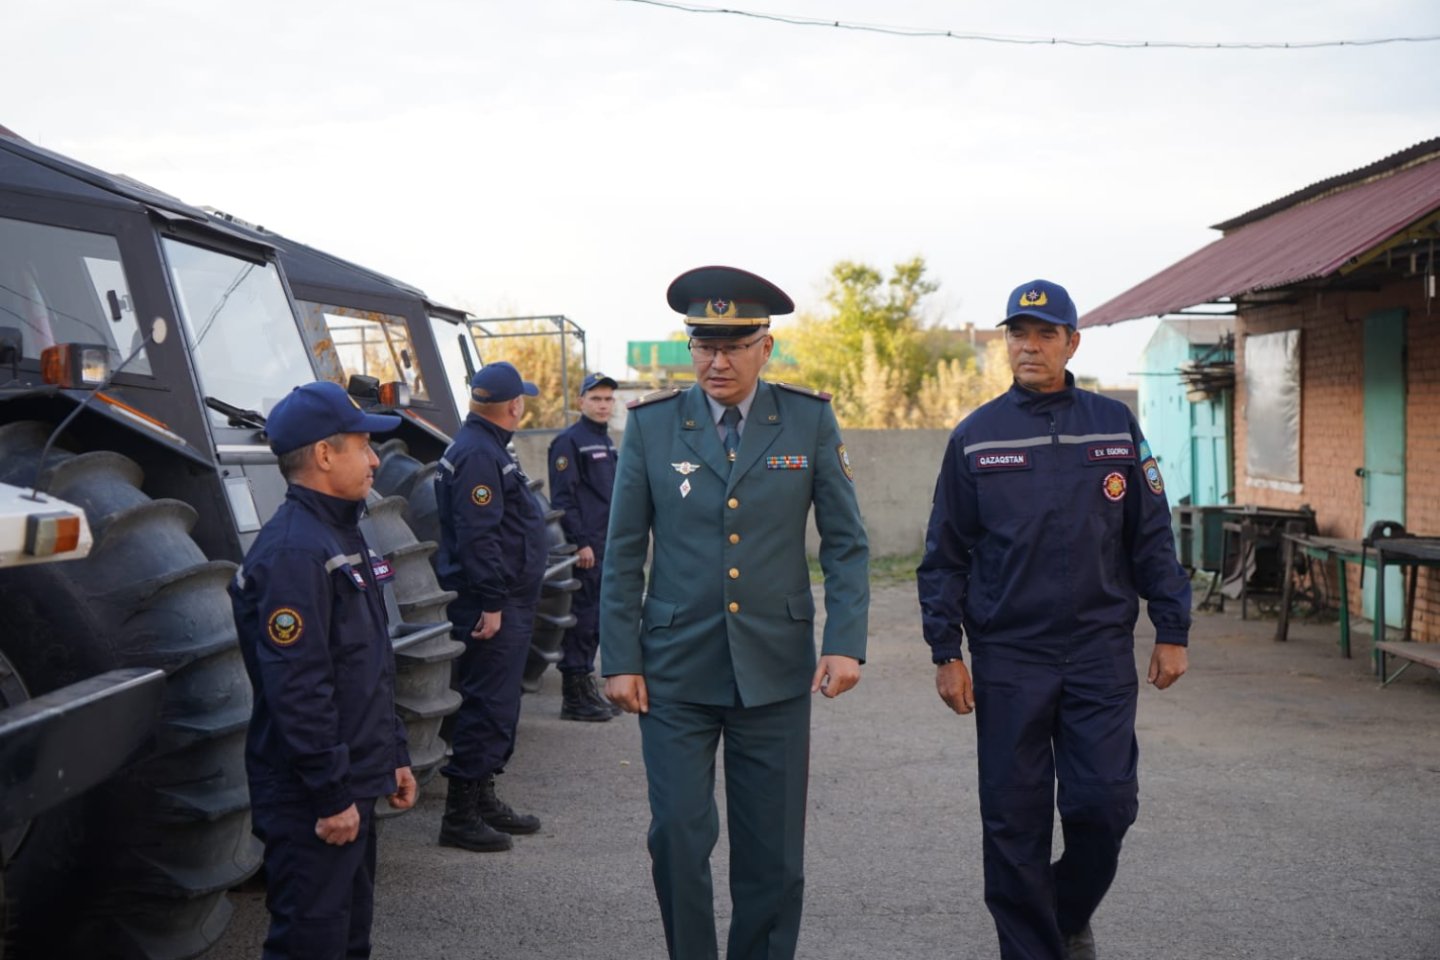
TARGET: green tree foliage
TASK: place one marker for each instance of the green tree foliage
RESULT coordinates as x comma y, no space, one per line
884,362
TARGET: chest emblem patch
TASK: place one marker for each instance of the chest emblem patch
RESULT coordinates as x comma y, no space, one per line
1114,486
481,495
685,467
285,626
793,461
561,463
1152,475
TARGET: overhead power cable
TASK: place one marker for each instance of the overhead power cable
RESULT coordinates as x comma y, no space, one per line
1034,41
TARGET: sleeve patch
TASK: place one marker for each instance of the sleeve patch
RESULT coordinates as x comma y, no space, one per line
844,456
481,495
285,626
1151,470
562,463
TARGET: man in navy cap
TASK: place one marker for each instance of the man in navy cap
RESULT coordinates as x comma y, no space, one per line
720,642
493,549
1048,526
582,477
324,741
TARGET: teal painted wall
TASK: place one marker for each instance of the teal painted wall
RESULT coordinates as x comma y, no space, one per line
1191,441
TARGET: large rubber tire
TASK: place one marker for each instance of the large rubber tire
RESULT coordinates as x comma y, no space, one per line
423,696
401,475
138,867
557,593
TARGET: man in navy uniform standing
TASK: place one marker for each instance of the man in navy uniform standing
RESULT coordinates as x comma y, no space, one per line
724,475
493,549
324,741
582,478
1049,523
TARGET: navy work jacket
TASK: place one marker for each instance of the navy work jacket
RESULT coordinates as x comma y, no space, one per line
313,633
493,544
1048,524
582,478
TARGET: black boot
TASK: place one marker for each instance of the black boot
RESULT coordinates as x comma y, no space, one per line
462,827
592,690
1079,945
498,814
576,703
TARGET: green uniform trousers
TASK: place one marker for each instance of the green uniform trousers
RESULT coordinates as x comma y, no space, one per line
767,758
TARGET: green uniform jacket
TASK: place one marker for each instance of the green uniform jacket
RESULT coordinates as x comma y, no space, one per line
728,610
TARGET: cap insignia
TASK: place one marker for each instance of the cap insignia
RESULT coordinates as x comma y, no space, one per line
1034,298
721,309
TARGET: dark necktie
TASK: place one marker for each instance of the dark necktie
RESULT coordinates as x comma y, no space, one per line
731,419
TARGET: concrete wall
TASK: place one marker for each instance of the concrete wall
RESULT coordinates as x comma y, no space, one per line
894,479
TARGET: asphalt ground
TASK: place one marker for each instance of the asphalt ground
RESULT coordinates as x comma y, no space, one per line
1289,808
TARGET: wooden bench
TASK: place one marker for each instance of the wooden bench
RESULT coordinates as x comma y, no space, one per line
1427,654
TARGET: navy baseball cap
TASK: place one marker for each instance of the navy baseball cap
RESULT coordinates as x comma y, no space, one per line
498,382
723,303
1042,300
318,410
597,379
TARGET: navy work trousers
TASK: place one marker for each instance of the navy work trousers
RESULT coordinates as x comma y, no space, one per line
767,759
321,897
582,640
1036,723
489,673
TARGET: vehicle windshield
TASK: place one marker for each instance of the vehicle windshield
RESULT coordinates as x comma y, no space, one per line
247,348
371,343
65,286
453,341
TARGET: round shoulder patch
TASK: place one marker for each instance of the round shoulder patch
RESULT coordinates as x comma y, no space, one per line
285,626
481,495
561,463
1114,486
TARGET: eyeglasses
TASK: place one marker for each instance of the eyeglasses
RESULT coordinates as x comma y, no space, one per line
704,351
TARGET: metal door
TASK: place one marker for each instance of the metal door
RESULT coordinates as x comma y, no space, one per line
1383,476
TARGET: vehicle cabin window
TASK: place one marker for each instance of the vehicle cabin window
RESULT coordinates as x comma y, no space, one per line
66,286
247,347
372,344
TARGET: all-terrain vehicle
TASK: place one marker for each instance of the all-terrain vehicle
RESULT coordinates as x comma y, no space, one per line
164,450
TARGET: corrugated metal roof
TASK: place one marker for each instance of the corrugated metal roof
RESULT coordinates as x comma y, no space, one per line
1303,242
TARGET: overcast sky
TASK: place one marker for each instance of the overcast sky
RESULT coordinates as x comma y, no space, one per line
573,156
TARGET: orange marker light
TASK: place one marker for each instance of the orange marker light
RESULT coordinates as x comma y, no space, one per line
47,534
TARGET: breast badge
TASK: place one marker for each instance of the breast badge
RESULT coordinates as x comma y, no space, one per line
1114,486
285,626
685,467
481,495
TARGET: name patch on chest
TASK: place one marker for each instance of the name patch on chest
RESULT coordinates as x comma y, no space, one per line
1002,460
381,569
794,461
358,577
1098,452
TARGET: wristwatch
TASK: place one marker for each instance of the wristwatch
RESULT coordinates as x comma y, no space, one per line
941,663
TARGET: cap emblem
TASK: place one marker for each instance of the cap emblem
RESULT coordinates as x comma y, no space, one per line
1034,298
721,309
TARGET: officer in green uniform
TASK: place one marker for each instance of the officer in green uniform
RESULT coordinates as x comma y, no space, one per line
720,642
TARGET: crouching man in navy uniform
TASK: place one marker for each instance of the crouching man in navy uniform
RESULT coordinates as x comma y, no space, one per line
324,741
493,549
1048,525
582,478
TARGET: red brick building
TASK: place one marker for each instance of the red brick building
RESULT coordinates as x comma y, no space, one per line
1337,322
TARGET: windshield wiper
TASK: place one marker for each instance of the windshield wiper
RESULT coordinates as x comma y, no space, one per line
239,417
